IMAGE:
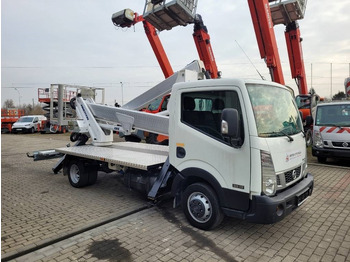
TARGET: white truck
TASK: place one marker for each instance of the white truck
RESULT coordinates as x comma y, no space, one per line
331,135
236,148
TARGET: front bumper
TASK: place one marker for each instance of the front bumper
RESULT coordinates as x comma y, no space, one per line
269,210
330,152
21,129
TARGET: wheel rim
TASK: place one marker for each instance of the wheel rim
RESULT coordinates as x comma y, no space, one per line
199,207
74,173
308,138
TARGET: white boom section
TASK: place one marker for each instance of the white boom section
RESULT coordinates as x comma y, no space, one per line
99,120
164,87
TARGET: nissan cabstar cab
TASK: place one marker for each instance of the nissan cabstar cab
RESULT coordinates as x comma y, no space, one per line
245,141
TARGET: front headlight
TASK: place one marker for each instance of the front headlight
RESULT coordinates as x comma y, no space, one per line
318,142
269,181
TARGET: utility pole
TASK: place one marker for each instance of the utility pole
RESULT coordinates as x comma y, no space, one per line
19,97
122,85
331,80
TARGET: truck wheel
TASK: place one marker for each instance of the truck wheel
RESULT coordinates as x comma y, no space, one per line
322,159
201,206
77,174
74,136
308,137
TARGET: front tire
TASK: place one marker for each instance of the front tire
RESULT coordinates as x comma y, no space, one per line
201,206
308,138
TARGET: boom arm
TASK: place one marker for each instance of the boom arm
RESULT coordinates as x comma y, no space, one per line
127,18
295,54
203,45
265,35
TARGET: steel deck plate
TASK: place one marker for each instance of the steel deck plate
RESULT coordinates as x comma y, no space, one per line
136,155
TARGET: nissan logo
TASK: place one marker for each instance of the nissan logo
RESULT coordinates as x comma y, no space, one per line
345,144
294,174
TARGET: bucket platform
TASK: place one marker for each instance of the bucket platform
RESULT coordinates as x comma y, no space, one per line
164,15
287,11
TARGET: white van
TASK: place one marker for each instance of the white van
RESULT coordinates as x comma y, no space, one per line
331,135
29,124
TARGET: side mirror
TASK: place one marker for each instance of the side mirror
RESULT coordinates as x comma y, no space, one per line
230,123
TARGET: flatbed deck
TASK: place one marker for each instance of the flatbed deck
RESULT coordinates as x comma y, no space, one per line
136,155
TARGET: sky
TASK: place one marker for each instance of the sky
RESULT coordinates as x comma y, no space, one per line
74,42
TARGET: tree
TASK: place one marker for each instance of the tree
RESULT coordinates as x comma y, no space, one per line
9,104
339,96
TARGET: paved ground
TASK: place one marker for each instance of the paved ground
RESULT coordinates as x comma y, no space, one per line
38,206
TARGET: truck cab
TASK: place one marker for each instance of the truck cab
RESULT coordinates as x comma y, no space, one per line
331,135
245,141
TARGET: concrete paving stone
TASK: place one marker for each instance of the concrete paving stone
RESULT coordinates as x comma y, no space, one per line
327,258
307,251
314,258
344,250
283,252
303,258
340,258
289,258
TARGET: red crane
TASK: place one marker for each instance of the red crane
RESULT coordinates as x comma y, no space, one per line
265,36
128,18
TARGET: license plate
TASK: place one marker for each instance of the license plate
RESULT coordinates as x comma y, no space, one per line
302,197
19,129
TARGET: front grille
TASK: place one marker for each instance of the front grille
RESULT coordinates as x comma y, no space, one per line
291,175
341,144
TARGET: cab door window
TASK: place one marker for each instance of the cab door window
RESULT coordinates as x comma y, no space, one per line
202,110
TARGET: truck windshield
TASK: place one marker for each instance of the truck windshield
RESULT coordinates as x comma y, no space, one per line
333,115
275,111
25,119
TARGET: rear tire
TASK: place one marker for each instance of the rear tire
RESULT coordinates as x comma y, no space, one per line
201,206
77,173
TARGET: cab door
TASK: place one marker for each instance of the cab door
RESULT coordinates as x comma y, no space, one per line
197,141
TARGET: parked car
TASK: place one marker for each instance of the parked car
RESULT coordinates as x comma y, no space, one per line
29,124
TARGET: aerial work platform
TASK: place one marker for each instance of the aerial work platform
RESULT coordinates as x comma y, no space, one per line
287,11
163,14
136,155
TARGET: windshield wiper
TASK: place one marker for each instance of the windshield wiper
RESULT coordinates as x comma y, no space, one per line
291,139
